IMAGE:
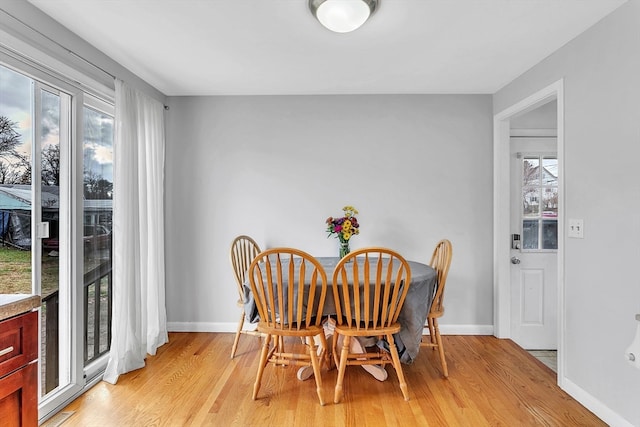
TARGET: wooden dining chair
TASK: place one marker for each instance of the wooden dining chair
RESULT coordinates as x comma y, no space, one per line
243,250
440,262
369,289
289,287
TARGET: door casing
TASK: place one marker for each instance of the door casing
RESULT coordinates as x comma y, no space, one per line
502,211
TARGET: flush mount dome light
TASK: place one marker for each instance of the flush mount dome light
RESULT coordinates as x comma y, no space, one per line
342,16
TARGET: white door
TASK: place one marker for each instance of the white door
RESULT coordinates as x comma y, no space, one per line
534,254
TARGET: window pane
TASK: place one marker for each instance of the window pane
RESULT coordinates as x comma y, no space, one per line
97,226
550,202
530,234
531,202
550,171
530,171
549,234
16,106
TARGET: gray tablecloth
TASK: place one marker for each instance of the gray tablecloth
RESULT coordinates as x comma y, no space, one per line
412,316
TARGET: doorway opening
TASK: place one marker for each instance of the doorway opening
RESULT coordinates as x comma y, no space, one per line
506,301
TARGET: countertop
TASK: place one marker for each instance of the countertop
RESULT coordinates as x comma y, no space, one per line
14,304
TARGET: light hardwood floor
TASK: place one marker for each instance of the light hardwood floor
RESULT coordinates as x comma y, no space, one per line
192,382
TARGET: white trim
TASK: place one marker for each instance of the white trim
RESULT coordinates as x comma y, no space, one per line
534,133
501,215
204,327
601,410
463,330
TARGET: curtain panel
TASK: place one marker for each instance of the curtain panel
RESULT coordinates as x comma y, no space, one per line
139,323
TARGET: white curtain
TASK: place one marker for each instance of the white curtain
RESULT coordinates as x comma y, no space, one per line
139,314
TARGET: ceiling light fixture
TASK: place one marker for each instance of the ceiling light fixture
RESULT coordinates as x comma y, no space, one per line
342,16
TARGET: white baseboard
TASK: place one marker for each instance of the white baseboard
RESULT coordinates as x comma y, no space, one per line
231,327
594,405
463,330
204,326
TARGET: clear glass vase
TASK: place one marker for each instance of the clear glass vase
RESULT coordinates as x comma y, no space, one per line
344,249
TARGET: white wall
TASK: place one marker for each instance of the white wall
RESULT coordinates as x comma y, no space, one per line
601,71
418,168
543,117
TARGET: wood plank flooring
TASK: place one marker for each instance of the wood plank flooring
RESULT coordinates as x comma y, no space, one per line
193,382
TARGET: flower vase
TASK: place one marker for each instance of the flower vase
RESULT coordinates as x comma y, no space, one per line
344,249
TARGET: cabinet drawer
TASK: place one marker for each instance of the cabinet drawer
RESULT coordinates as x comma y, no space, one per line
18,342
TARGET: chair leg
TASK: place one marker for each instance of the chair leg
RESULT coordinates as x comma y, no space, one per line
313,354
236,340
334,350
263,362
431,330
398,366
326,354
337,397
443,361
278,347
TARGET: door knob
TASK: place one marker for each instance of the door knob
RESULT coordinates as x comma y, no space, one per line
515,260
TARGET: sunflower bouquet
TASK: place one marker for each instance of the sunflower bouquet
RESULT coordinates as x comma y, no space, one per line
344,228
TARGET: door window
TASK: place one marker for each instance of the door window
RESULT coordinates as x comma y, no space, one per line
539,202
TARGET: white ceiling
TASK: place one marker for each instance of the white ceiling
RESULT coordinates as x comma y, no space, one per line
245,47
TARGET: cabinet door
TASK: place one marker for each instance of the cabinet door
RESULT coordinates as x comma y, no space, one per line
18,342
19,398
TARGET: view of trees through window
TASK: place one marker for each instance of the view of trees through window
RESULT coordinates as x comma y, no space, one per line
16,142
14,166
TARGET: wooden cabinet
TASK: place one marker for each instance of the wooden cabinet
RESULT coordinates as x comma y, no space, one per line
19,370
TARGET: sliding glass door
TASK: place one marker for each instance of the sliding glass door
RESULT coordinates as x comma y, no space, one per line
56,190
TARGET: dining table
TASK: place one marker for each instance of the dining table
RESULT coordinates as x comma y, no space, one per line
412,317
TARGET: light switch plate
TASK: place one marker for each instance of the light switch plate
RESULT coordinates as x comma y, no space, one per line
576,229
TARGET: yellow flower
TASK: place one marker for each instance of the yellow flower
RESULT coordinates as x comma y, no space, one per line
350,211
346,234
346,225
